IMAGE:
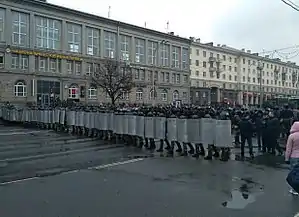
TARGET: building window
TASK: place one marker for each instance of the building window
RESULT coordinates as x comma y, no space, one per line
197,62
74,92
89,69
185,58
152,52
109,44
70,67
178,78
20,89
184,95
20,29
125,44
2,20
19,61
48,33
175,95
152,94
92,92
165,50
139,50
176,57
125,95
167,77
93,41
74,37
139,94
185,77
164,95
78,68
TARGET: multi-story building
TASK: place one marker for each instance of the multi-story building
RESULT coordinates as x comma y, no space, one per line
48,50
221,73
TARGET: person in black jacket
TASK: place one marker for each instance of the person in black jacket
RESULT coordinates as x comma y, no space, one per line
246,131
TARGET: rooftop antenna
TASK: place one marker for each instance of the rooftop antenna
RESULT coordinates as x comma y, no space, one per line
167,26
109,10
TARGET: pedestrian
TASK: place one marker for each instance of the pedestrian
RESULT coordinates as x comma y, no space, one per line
292,149
246,131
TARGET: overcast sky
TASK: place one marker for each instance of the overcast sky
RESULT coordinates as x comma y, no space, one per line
250,24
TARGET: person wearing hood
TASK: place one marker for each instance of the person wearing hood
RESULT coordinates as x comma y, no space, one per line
292,149
273,136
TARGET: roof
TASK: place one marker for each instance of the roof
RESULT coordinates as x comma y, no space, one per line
99,18
237,52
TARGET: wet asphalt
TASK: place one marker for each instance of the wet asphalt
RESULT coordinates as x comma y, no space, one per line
147,184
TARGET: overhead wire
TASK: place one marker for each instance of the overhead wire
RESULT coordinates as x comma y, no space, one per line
291,4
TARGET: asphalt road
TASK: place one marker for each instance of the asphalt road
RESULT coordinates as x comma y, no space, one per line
46,174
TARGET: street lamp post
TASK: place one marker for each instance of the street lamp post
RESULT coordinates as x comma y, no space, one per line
260,68
163,42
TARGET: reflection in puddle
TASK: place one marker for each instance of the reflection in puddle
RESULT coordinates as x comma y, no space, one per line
239,200
242,197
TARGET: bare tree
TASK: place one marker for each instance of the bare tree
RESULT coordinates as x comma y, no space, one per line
114,77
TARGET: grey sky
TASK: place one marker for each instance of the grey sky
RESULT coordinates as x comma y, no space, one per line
250,24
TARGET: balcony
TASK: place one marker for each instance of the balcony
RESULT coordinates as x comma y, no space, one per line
212,59
212,69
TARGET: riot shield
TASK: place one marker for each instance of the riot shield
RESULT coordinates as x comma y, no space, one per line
71,118
172,129
77,118
92,116
182,130
140,126
46,116
104,121
118,118
207,131
160,127
97,123
193,130
223,134
51,116
125,123
62,116
149,127
111,122
80,119
132,119
56,115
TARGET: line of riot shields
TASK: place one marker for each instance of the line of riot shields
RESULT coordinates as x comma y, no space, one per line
133,128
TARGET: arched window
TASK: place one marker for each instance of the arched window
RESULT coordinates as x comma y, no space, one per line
20,89
74,91
164,95
152,94
92,92
175,95
139,94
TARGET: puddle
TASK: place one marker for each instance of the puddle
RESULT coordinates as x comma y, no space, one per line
246,194
239,200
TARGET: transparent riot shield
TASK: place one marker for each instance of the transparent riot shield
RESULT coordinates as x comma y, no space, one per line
132,119
182,130
71,118
62,116
149,127
111,122
86,120
193,130
46,116
207,131
125,123
172,129
118,118
98,121
77,118
51,116
92,117
223,134
104,121
80,119
160,127
56,116
140,122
